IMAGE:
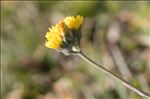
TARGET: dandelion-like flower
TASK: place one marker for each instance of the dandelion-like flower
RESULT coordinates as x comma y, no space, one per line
65,36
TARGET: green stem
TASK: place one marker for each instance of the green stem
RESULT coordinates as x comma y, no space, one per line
124,82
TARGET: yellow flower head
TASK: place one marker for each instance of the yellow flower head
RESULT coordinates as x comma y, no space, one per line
73,22
54,36
64,34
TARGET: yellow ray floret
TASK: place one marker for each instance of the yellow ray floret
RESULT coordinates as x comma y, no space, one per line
55,34
73,22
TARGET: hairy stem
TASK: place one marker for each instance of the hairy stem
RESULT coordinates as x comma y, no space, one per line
124,82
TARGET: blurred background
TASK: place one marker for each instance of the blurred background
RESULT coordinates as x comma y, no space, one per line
114,34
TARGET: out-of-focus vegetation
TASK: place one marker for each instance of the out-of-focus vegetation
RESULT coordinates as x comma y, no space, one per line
115,34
